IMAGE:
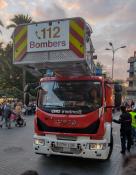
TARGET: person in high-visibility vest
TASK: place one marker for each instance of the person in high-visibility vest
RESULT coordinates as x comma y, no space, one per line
133,124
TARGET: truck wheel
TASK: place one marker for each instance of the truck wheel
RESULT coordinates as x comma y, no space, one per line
111,147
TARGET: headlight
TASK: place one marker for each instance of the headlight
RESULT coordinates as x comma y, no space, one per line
39,142
97,146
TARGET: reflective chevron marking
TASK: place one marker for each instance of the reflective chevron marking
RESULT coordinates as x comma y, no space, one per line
20,42
76,36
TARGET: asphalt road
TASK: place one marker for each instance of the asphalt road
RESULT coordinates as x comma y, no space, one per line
16,156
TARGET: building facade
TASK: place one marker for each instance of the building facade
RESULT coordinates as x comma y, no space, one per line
131,90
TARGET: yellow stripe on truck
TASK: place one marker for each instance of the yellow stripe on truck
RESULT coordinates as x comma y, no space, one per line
76,43
77,28
20,34
20,48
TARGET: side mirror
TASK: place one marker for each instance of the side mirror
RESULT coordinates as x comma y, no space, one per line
26,98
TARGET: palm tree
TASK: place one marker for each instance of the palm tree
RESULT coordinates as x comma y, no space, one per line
16,20
19,19
1,24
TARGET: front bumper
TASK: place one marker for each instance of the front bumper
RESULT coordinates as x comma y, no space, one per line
81,147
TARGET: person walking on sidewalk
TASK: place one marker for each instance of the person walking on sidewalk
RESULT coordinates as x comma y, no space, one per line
6,116
125,129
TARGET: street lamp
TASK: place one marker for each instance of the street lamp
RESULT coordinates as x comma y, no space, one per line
113,52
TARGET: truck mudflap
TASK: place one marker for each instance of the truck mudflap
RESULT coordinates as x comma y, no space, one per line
74,146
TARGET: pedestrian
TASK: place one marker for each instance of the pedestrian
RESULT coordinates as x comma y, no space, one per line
126,104
125,130
133,124
129,165
2,110
6,115
24,110
30,172
132,104
18,109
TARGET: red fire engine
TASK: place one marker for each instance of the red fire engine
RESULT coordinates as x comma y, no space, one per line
74,106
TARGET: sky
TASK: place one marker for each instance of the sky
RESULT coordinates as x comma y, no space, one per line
111,21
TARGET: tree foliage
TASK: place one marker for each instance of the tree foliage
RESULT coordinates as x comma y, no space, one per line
19,19
11,76
1,24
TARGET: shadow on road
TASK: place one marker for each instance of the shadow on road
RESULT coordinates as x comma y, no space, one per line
71,165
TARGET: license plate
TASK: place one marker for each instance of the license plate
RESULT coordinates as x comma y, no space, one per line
66,149
65,145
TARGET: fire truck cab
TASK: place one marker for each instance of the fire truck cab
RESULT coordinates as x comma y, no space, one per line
74,117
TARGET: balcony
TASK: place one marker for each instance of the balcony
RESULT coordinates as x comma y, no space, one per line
132,59
131,89
131,78
130,70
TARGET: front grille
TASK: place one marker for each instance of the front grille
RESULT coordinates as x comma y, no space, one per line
91,129
70,151
67,150
71,138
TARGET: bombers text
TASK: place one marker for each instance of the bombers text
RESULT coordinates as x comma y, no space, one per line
47,44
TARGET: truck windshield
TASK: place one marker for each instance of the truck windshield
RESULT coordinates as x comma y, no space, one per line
70,97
